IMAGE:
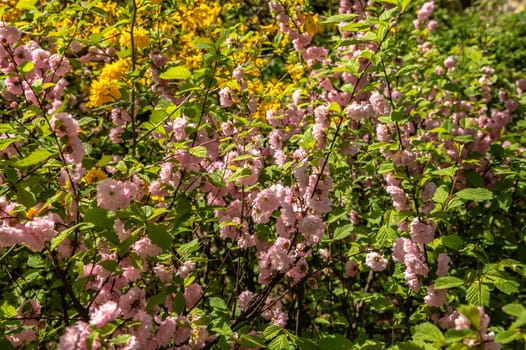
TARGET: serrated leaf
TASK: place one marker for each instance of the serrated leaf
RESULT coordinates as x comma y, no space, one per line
386,235
178,72
279,343
440,195
187,249
7,310
449,171
428,332
448,282
478,294
35,157
342,232
199,151
475,194
271,332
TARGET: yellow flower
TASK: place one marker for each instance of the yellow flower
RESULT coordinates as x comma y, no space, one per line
140,39
94,175
115,70
103,91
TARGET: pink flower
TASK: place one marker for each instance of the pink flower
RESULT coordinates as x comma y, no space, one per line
429,191
244,299
8,34
449,62
185,268
312,227
422,233
435,297
107,312
352,268
22,338
132,301
166,331
360,111
145,248
59,65
442,265
192,294
112,195
375,261
63,124
425,11
225,97
41,58
380,104
75,337
74,150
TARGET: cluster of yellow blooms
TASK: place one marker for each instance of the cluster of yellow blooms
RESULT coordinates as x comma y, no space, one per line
250,45
107,87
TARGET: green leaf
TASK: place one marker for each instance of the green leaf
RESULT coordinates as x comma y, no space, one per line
452,241
342,232
121,339
26,5
386,236
448,282
159,235
507,336
514,309
279,343
7,310
27,67
199,151
100,218
440,195
472,314
478,294
187,249
428,332
240,173
178,72
272,331
55,242
335,342
251,341
346,17
405,3
35,157
218,304
449,171
454,335
475,194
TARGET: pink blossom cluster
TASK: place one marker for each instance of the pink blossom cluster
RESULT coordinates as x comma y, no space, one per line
412,255
34,234
29,67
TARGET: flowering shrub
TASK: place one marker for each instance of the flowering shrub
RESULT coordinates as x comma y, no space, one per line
198,175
